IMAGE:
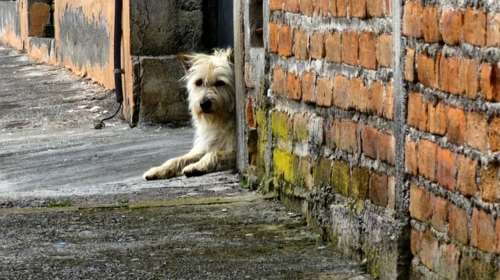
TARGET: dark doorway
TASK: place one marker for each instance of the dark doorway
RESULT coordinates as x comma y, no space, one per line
218,23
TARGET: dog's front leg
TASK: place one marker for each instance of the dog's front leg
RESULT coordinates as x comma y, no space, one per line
172,167
211,162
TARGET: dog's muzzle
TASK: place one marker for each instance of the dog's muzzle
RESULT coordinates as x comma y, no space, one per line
206,105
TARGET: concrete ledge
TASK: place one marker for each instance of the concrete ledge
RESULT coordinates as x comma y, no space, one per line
42,50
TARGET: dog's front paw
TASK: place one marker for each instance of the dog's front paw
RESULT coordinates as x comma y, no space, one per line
158,173
192,171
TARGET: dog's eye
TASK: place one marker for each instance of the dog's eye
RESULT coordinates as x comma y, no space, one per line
199,82
220,83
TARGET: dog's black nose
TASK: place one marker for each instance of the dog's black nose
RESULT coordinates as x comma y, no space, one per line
206,105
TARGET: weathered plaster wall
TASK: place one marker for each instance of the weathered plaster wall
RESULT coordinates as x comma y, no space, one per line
84,38
10,27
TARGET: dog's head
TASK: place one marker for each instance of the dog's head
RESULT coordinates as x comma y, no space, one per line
210,84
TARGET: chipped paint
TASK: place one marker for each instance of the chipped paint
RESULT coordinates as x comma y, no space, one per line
10,31
84,38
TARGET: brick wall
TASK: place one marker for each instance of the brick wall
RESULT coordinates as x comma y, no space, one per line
389,144
452,76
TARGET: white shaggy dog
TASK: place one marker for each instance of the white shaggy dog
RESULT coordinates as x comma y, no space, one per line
210,84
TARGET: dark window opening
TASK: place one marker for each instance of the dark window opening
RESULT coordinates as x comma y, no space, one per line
41,18
256,24
218,24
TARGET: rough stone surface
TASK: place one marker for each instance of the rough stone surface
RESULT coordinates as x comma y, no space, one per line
163,96
166,27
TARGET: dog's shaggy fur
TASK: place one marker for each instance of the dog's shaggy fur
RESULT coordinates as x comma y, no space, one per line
210,85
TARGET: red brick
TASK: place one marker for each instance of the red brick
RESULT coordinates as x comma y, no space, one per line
306,7
417,111
457,224
323,7
357,8
497,228
324,92
446,169
494,134
386,148
378,191
490,183
466,176
427,70
294,89
293,6
411,159
375,8
439,218
430,24
308,87
474,30
317,45
449,79
410,65
384,50
369,139
450,26
279,81
342,8
427,153
350,47
341,92
469,69
343,135
389,102
275,5
250,114
359,95
437,120
333,46
367,50
420,201
483,231
300,46
285,41
476,134
493,30
333,7
416,239
412,19
376,98
388,7
490,81
456,125
447,262
429,249
273,37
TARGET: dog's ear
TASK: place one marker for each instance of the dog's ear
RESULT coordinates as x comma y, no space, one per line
185,60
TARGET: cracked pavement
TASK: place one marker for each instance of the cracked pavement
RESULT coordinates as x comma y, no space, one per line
73,204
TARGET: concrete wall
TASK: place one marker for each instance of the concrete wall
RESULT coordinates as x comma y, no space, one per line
336,131
84,38
10,27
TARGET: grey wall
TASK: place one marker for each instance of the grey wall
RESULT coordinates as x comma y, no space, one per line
166,27
9,17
